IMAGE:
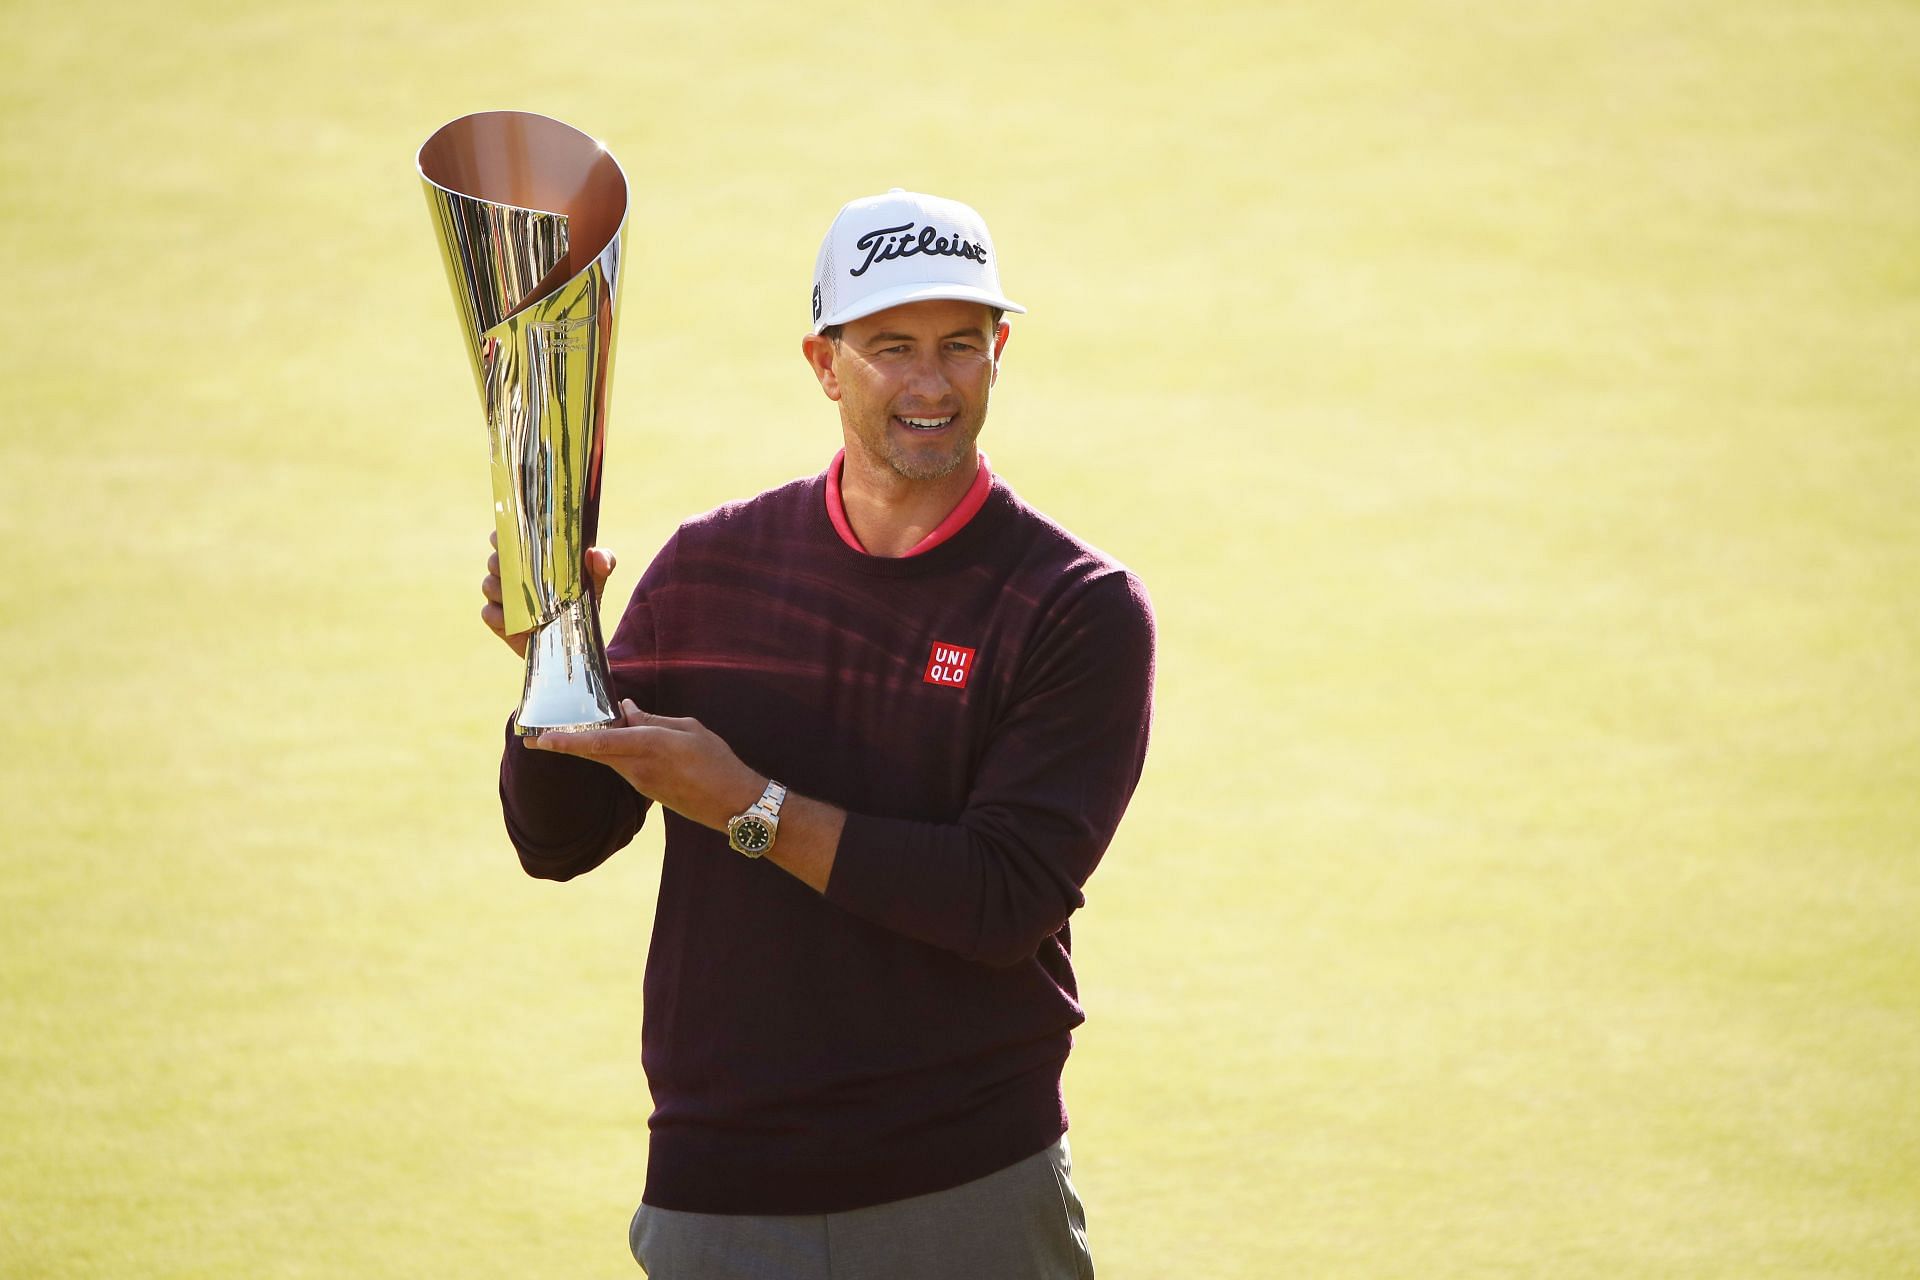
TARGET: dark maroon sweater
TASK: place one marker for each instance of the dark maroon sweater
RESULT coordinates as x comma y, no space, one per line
981,711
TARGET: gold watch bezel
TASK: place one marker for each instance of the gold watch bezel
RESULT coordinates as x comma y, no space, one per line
764,815
754,821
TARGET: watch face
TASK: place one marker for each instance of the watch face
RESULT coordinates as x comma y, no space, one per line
751,835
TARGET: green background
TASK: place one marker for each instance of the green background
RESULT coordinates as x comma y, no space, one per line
1512,409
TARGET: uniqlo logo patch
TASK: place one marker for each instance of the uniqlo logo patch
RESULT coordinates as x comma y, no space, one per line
949,665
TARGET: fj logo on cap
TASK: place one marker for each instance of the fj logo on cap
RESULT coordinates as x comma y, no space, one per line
949,665
884,244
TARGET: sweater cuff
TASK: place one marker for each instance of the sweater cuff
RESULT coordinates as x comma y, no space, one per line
945,886
868,879
551,799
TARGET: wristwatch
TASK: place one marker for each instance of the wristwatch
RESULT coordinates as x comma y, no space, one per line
752,832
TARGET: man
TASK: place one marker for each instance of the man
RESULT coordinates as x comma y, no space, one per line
894,716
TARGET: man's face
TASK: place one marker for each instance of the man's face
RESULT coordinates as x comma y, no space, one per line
912,383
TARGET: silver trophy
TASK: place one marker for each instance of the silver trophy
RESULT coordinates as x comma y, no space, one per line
529,213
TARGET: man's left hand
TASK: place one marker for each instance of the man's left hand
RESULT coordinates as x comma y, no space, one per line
674,760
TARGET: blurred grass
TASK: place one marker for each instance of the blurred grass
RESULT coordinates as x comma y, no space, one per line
1512,412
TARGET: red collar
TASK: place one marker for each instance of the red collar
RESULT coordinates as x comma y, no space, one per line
966,509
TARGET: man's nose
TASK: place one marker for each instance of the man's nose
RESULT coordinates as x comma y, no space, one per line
927,377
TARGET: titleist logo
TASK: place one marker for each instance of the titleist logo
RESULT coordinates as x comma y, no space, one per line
887,243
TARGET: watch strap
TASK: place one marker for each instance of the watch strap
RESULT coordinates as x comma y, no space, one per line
768,805
763,812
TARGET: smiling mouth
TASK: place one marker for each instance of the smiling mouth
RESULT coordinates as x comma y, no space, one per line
923,424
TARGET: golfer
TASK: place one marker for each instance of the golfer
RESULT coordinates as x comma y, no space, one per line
891,716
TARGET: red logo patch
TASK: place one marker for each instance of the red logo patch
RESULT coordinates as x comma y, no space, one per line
949,665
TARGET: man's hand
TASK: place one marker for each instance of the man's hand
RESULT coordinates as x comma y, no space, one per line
674,760
600,564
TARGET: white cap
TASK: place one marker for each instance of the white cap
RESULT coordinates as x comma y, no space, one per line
882,251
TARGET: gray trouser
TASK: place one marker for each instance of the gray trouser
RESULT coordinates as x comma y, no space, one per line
1023,1223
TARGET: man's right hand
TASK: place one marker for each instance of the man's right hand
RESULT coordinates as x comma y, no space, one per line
600,564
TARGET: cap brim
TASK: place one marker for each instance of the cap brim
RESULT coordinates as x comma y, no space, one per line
917,293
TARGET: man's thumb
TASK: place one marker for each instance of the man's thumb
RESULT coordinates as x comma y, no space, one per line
600,562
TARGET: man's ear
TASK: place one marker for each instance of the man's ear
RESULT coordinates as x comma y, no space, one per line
1000,336
820,352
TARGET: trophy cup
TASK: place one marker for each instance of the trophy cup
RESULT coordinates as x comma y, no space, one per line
528,212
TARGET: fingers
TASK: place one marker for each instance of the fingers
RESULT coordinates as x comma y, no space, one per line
601,744
637,732
576,742
493,613
600,564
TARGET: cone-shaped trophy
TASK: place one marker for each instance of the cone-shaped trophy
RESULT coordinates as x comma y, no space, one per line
529,212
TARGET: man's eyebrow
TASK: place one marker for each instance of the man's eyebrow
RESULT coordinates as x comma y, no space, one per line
972,331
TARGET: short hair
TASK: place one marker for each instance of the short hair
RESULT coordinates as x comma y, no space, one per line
833,331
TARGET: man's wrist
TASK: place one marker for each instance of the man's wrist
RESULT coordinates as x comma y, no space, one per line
753,830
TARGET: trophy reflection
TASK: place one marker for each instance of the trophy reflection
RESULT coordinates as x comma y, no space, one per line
529,212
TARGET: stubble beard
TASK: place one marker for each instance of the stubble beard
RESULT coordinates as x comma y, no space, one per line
909,463
912,465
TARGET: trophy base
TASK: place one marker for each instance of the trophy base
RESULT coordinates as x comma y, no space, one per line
567,687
